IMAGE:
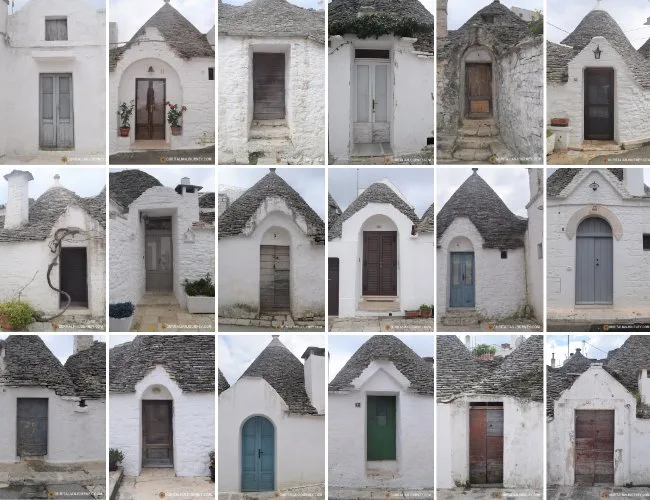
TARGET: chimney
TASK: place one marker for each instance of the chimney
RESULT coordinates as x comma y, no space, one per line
633,181
578,350
57,177
468,340
17,212
113,38
553,360
82,342
315,376
441,18
644,385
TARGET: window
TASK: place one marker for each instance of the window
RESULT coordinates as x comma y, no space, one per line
210,73
371,54
504,254
646,241
540,251
56,29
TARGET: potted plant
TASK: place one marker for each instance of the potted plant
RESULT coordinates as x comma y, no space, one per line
15,316
173,115
200,295
125,111
115,457
212,466
415,313
120,316
425,311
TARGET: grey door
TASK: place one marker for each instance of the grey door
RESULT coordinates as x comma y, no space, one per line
56,130
274,278
594,262
31,436
159,260
157,434
268,86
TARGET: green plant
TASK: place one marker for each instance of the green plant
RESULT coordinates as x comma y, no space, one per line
115,457
425,308
549,133
125,111
536,26
17,314
254,156
121,310
378,24
203,287
481,349
174,114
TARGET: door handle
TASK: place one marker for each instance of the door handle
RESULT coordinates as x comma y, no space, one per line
598,262
259,453
373,105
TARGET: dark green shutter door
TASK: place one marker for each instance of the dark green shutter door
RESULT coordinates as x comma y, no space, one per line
381,428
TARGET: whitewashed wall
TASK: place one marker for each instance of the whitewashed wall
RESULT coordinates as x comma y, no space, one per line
535,237
4,56
295,465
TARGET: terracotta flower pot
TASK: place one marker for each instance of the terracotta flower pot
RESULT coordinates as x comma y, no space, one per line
177,130
124,131
425,314
5,325
559,122
413,314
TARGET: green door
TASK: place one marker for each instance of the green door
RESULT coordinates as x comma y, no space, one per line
381,428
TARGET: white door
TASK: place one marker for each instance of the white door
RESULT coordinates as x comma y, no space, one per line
372,124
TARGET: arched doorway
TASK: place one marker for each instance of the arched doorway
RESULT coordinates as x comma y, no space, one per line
594,262
157,427
258,455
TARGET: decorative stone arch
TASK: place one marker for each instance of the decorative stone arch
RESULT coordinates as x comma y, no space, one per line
476,54
594,211
460,244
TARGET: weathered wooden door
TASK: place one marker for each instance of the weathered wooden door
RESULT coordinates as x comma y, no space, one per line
599,104
594,262
268,86
478,85
32,425
157,434
381,428
258,455
73,275
461,291
372,123
486,445
274,278
594,433
332,286
379,263
150,109
56,130
159,258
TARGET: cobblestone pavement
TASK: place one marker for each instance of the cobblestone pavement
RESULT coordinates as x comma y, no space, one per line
510,325
490,493
162,483
271,323
596,493
354,494
204,156
316,491
380,324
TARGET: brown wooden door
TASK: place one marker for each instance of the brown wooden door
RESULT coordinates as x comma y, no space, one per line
274,278
150,109
268,86
486,445
594,447
479,90
73,273
599,104
333,287
380,263
157,439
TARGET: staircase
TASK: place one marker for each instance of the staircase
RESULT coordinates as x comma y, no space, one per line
475,140
468,317
271,137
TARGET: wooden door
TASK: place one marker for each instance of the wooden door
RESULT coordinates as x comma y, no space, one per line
159,254
599,104
332,286
381,428
274,278
150,111
258,455
73,274
478,84
594,262
157,435
32,425
268,86
371,124
486,445
380,263
594,431
461,280
56,129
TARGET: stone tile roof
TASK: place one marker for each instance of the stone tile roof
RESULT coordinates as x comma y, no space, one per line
87,369
557,62
428,221
505,25
28,362
644,50
387,348
333,211
126,186
48,209
188,359
285,373
207,217
180,34
378,192
271,18
234,220
477,201
223,383
562,177
206,200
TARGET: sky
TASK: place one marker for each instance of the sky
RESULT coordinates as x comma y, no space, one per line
646,171
495,340
342,347
629,14
309,182
131,15
85,181
594,347
236,353
511,184
415,184
171,177
459,11
60,345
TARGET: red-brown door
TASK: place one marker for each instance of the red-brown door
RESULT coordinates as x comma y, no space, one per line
150,109
479,90
486,445
594,447
380,263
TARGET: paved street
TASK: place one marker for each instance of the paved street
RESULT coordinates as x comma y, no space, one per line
639,156
354,494
596,493
311,492
489,493
204,156
380,324
162,483
509,325
271,323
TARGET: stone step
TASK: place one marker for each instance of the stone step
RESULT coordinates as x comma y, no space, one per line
474,142
479,122
379,305
482,155
272,145
269,132
269,123
482,131
460,318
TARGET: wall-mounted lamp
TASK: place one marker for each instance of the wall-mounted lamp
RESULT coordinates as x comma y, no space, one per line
150,70
594,186
597,52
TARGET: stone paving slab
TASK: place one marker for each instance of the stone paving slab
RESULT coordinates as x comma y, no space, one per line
269,323
170,318
69,324
597,493
114,481
162,483
203,156
311,492
381,324
510,325
489,494
354,494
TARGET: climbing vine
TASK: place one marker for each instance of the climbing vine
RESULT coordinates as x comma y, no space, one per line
378,24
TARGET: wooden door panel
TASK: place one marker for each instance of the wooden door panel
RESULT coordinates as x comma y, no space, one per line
477,448
486,445
74,276
157,439
32,427
381,428
258,455
594,455
478,84
275,278
380,263
268,86
150,109
333,286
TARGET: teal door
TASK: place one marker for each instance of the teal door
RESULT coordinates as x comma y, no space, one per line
258,455
381,436
462,280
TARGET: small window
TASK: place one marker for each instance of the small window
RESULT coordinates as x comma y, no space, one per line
540,251
430,141
210,73
504,254
371,54
56,29
646,241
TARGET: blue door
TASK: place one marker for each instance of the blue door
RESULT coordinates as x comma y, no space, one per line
462,279
258,455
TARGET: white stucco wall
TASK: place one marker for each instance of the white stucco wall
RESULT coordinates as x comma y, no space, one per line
632,102
492,299
304,95
348,467
4,55
534,238
29,55
523,441
187,84
74,434
631,263
299,439
193,424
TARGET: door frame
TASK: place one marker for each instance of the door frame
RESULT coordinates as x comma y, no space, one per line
61,271
371,77
593,238
241,452
170,405
284,75
164,80
612,102
468,105
55,115
449,276
395,399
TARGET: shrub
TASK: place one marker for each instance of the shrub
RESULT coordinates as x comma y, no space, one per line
115,456
203,287
125,111
121,310
18,314
425,308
